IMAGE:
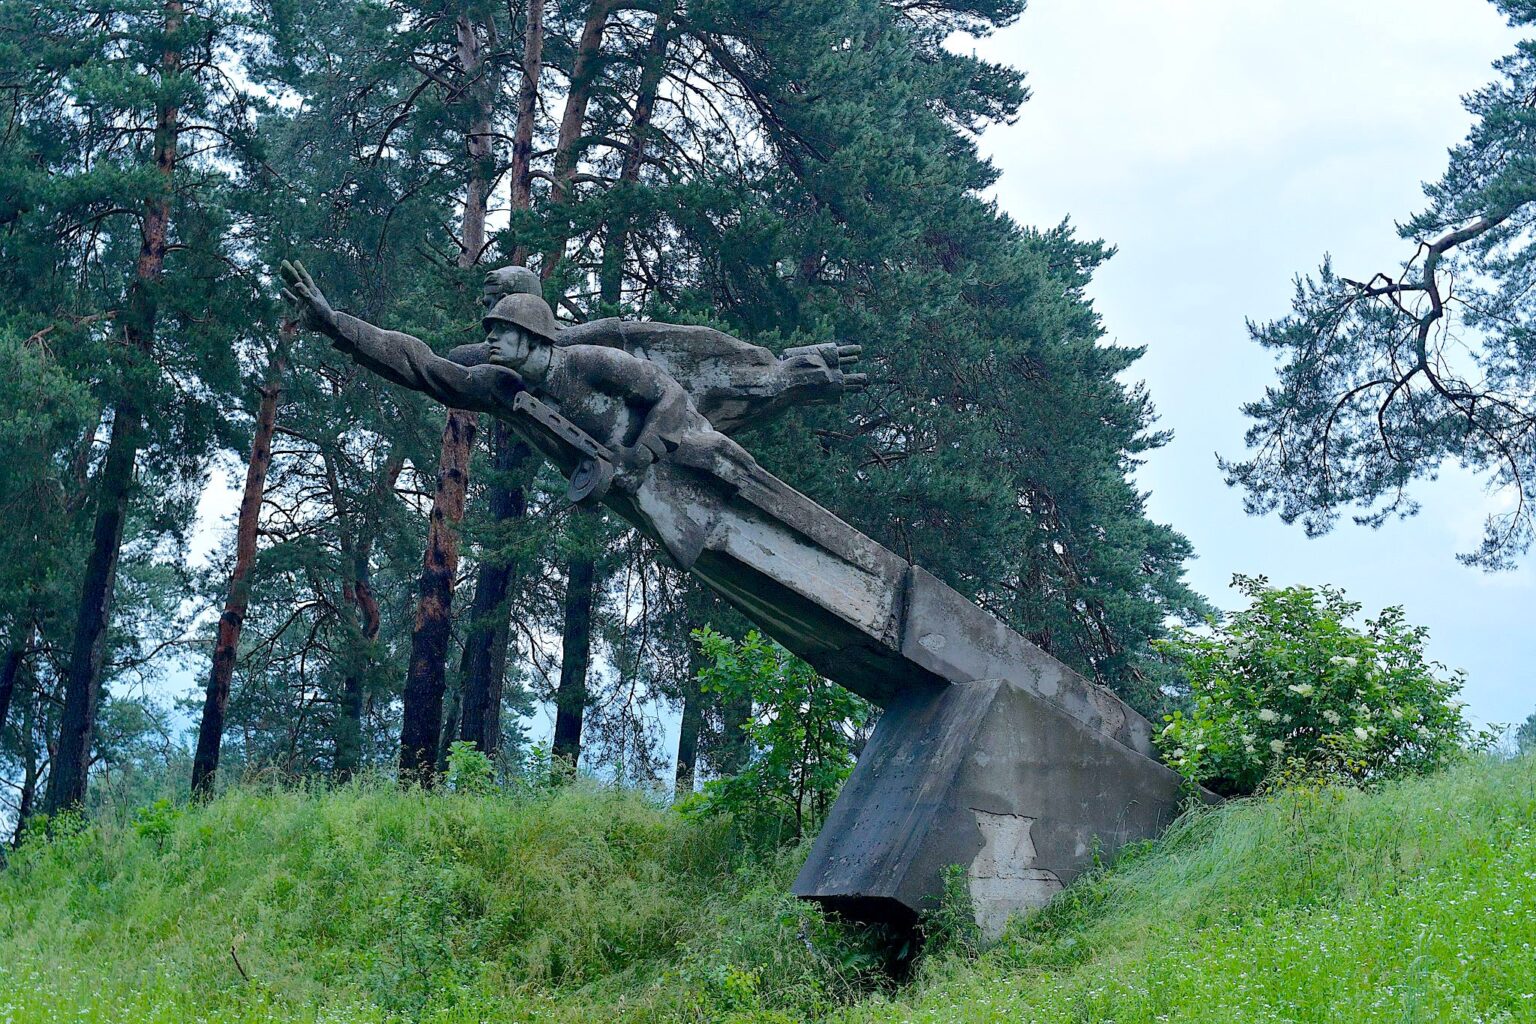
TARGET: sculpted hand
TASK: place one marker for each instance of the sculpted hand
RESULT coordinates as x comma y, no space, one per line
847,355
633,462
309,303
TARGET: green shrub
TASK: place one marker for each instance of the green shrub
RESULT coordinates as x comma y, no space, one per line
469,770
800,734
1288,687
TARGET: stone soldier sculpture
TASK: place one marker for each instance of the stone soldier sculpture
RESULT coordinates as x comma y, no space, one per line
990,754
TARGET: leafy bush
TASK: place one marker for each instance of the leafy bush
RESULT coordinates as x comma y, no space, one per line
1288,687
801,732
469,770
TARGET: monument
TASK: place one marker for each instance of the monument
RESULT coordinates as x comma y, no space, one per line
990,754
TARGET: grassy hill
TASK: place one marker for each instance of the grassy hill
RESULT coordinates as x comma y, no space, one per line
1417,903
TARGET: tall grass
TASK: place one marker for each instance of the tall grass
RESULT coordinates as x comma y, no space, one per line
1414,903
367,904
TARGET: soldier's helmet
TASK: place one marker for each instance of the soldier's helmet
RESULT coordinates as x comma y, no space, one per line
510,281
530,312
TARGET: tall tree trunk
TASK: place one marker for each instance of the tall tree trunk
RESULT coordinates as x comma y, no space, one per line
83,677
485,643
688,737
10,669
83,682
584,67
450,729
571,697
427,673
611,275
733,740
29,770
362,610
210,731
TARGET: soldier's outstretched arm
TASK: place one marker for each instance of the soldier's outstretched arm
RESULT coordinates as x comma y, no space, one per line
397,357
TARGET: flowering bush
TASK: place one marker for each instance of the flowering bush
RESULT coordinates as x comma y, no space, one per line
1288,685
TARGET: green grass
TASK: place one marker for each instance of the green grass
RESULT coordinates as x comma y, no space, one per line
1416,903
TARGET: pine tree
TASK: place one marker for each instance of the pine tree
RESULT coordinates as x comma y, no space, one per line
1386,377
122,241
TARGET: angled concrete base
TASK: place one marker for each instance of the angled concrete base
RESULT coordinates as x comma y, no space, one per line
1019,771
991,777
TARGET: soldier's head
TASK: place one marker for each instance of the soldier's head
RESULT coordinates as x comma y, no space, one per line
505,281
517,327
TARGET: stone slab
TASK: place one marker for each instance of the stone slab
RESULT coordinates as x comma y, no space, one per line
992,777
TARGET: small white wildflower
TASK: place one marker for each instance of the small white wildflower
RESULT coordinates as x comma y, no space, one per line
1178,752
1268,715
1362,733
1302,689
1332,716
1278,746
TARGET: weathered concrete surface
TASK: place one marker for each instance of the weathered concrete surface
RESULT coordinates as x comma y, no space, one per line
990,776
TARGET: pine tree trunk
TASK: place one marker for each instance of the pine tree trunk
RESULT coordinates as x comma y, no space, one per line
733,741
485,643
363,614
584,67
450,727
29,769
440,564
83,681
571,697
83,678
688,739
521,170
210,731
427,674
611,275
10,670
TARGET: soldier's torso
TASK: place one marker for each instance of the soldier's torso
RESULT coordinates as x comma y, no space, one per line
605,412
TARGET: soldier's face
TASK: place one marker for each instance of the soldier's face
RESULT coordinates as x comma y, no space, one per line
510,345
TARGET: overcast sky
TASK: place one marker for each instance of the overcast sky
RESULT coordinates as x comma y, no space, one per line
1224,146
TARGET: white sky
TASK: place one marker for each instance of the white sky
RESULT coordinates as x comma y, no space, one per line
1224,146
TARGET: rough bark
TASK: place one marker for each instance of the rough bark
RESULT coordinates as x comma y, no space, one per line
10,670
426,675
83,679
210,731
485,642
584,66
688,739
611,277
450,727
571,697
362,609
527,103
